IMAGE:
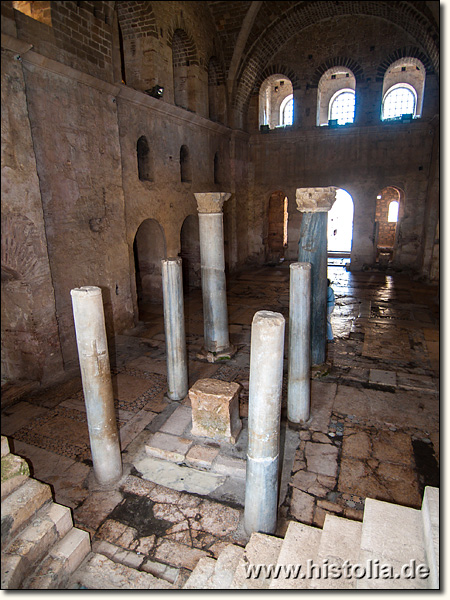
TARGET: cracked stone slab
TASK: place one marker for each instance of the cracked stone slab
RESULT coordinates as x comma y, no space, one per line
176,477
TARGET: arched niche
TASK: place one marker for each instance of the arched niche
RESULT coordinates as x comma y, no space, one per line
190,253
149,249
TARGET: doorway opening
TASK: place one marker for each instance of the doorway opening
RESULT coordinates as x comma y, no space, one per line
190,253
277,234
386,222
340,226
149,248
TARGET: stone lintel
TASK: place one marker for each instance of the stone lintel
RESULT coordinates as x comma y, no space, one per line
215,410
211,202
315,199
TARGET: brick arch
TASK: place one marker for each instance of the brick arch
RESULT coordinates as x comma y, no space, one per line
276,69
406,52
216,73
337,61
305,14
136,19
184,53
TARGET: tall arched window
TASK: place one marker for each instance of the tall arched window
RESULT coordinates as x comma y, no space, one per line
400,99
143,159
342,107
287,111
217,174
185,165
393,212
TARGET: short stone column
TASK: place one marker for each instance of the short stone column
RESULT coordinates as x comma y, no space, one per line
299,361
215,314
177,364
215,410
97,387
314,204
264,411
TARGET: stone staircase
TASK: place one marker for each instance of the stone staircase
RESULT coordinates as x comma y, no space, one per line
41,549
40,546
385,551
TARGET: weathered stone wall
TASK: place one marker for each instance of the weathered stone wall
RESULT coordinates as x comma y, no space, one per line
76,140
362,161
72,197
30,343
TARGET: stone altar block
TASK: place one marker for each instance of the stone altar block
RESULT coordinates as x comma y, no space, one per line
215,410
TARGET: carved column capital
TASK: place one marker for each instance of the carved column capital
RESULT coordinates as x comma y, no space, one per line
211,202
315,199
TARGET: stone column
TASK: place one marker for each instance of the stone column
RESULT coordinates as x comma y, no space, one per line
299,367
97,387
315,203
215,315
266,378
177,365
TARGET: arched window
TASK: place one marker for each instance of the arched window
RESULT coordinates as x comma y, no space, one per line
216,168
342,107
276,101
403,89
185,165
393,212
336,96
287,111
143,159
182,54
399,100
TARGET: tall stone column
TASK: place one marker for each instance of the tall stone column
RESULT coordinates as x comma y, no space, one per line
264,411
97,387
314,204
299,367
215,314
177,365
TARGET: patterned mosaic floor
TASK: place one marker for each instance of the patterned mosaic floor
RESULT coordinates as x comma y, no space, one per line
374,427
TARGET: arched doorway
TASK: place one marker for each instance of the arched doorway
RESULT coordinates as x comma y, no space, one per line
190,253
386,219
277,239
340,225
149,249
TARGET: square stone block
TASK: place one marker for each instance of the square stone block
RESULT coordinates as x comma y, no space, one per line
215,410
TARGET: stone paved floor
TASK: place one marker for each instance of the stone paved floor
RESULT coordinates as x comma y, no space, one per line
374,427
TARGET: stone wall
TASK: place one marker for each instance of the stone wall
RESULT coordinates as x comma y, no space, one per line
75,105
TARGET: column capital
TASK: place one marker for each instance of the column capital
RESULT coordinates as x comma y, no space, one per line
211,202
315,199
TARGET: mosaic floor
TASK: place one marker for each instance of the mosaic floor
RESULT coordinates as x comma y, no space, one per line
373,432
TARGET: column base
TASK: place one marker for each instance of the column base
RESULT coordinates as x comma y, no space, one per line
213,357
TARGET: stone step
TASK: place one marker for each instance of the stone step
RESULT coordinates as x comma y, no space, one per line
226,565
340,542
30,546
15,471
5,446
62,560
430,518
210,574
201,577
100,573
300,545
261,549
392,535
20,506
